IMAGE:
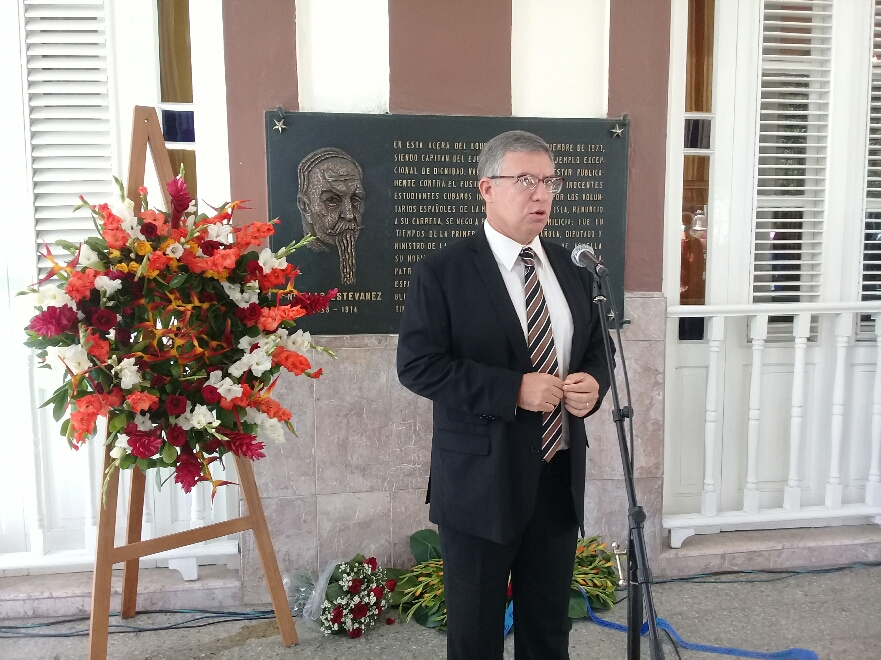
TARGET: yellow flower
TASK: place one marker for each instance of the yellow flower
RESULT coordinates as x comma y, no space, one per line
133,267
122,267
113,254
143,248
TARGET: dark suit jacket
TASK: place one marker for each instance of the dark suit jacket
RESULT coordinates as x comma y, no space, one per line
462,346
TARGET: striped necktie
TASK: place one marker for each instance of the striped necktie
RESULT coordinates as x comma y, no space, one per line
542,350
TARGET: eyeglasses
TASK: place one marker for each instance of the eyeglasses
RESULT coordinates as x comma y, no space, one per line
553,184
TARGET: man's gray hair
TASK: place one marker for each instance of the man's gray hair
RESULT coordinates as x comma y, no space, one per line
490,162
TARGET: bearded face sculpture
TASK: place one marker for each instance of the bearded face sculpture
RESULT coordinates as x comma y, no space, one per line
331,202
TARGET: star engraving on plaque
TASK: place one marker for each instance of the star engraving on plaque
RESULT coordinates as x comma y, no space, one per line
617,131
279,125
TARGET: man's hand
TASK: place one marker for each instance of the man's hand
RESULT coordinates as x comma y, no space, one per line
580,393
540,392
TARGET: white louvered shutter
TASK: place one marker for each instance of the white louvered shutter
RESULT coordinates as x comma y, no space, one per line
871,271
68,101
791,157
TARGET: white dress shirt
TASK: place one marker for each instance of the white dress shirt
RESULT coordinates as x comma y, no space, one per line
507,254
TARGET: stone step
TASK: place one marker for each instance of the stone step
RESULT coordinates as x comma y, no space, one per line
773,549
70,594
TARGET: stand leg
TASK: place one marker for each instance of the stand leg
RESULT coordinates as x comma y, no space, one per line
634,605
100,617
133,535
267,554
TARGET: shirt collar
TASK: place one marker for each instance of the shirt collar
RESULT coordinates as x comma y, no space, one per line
507,250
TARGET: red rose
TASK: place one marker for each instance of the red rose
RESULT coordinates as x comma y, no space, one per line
390,585
149,230
371,562
53,321
210,247
389,621
144,444
210,394
176,435
104,319
123,335
249,315
354,633
176,405
378,592
355,586
359,611
337,614
156,380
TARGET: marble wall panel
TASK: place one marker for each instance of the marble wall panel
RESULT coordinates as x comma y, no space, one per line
349,523
409,514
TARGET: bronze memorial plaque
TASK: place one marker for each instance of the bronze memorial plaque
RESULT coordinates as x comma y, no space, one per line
379,192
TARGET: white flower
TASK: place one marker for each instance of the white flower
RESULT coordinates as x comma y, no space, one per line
299,341
175,250
143,422
214,378
228,389
89,258
107,286
266,342
121,446
126,212
241,365
128,373
269,262
260,362
268,429
200,418
74,357
218,232
52,296
240,298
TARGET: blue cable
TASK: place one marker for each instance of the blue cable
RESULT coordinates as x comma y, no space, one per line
788,654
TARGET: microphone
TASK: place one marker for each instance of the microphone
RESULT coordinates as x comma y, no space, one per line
584,256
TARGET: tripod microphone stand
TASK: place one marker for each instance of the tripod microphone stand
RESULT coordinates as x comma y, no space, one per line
639,590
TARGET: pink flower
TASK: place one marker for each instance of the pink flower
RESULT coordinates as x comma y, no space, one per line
188,472
180,199
144,444
244,444
53,321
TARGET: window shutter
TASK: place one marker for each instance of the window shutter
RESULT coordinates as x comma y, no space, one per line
791,155
871,271
69,116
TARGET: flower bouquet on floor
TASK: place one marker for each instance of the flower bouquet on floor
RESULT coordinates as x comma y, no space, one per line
175,327
350,596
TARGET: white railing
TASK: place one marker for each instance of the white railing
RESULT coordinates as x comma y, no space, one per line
818,411
52,528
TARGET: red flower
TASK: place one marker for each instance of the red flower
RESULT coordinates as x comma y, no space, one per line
371,562
354,633
156,380
123,335
355,586
510,593
53,321
391,585
378,592
144,444
389,621
188,472
210,394
244,444
104,319
249,315
180,199
176,435
149,230
210,247
313,303
176,405
337,614
359,611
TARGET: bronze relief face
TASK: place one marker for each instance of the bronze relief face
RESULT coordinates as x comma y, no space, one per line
331,202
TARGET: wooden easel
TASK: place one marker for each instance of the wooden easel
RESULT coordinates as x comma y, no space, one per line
146,130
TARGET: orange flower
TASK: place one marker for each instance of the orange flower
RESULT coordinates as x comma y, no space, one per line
98,347
253,234
142,401
99,404
241,401
80,284
291,360
115,238
272,408
157,219
270,317
158,261
82,423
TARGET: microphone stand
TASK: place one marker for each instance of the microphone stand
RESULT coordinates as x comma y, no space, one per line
639,588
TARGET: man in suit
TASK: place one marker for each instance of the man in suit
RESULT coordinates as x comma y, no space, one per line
500,332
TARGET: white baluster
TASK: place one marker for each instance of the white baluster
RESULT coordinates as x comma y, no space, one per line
792,491
758,332
873,486
147,520
38,524
843,329
197,507
94,486
709,500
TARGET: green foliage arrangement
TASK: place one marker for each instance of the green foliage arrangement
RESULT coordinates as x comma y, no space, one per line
595,573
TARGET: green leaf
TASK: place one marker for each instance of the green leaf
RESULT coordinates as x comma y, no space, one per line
59,408
357,559
577,605
227,419
145,464
396,574
127,461
99,245
169,454
73,248
425,545
117,423
334,591
65,425
177,280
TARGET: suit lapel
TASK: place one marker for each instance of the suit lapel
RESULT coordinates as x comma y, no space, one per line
501,299
579,303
